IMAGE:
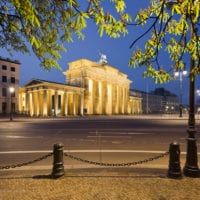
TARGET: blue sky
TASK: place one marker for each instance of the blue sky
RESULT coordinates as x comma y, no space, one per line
116,50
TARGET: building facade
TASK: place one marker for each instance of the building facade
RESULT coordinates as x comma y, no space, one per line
170,101
45,98
9,78
159,101
91,89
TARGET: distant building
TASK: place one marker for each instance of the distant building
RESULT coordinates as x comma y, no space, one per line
170,101
9,77
158,101
91,88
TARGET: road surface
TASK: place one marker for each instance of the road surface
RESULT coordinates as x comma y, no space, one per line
99,139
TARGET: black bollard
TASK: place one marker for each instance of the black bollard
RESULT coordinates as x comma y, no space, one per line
58,167
174,161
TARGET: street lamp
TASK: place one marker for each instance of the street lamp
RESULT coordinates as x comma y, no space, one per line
191,168
180,74
11,89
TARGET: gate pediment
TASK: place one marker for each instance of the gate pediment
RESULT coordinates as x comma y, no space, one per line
34,82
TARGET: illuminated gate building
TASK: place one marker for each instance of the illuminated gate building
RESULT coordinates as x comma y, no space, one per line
91,89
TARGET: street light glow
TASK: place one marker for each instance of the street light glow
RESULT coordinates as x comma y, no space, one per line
11,89
184,72
176,73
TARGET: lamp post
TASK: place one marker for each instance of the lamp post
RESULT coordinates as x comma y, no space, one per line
180,74
191,168
11,89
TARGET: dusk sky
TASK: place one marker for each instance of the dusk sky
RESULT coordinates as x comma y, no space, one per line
116,50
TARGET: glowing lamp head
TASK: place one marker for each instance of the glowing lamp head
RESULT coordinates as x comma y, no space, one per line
11,89
184,72
176,73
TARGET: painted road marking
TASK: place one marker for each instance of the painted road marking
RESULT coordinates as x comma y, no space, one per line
108,136
122,133
20,136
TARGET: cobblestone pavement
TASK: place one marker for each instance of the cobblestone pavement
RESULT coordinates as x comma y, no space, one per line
97,184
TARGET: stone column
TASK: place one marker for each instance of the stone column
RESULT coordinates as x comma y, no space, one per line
74,104
123,100
65,103
49,100
91,90
109,99
120,100
82,102
95,97
27,103
117,99
113,99
104,98
56,103
31,104
40,102
62,111
100,111
37,103
45,109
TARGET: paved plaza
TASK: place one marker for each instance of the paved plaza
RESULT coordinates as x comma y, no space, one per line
98,184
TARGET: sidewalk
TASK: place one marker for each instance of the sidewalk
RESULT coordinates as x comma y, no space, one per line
96,117
97,184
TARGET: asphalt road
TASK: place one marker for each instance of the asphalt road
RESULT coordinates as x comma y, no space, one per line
99,139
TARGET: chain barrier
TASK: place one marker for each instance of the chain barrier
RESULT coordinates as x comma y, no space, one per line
118,164
27,163
88,161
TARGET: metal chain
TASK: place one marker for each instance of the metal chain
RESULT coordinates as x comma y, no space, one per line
88,161
118,164
27,163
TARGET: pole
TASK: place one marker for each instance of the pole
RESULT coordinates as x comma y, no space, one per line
11,89
11,114
181,94
191,166
147,99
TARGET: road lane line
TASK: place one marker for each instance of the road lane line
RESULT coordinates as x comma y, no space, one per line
21,137
122,133
108,136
